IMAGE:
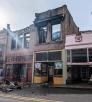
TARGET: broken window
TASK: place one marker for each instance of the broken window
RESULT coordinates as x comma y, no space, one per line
56,32
13,44
43,34
20,42
26,40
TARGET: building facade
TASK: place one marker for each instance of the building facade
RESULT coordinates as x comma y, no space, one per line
49,53
20,54
37,53
79,57
3,51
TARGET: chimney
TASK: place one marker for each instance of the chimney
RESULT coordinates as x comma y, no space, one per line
79,33
8,26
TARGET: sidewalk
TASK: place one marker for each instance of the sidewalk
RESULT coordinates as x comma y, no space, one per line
43,91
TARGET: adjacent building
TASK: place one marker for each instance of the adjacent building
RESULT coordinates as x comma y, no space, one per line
79,57
19,58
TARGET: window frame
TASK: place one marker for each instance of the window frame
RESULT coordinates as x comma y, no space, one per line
42,34
59,38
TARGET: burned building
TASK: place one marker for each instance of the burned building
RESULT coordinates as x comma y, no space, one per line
37,52
3,51
49,54
20,54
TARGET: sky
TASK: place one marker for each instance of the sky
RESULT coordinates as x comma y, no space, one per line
21,13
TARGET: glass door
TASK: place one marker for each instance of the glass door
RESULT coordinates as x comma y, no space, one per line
85,73
50,74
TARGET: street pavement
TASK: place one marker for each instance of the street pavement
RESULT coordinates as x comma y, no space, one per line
15,98
2,99
39,94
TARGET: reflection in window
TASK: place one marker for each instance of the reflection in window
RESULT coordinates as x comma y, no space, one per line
42,34
37,70
56,32
58,69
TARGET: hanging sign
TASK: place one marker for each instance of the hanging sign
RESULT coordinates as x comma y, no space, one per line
58,65
38,66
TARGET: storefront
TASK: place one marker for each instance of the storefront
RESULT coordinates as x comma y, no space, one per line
79,58
48,68
19,68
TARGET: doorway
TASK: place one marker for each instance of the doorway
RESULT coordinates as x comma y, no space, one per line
47,69
50,74
17,72
79,73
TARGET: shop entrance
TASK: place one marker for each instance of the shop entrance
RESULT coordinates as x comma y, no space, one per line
47,69
48,72
79,73
17,72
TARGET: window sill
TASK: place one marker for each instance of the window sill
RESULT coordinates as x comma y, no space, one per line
58,75
51,42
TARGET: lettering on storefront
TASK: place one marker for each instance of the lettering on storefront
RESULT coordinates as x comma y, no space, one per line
78,38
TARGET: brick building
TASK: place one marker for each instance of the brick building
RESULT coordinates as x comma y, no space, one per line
49,53
3,51
20,54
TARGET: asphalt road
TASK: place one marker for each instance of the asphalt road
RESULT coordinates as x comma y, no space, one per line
2,99
14,98
56,95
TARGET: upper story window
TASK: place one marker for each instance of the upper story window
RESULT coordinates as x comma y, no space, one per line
68,56
26,40
79,55
90,54
56,36
42,34
20,41
1,50
13,44
1,53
